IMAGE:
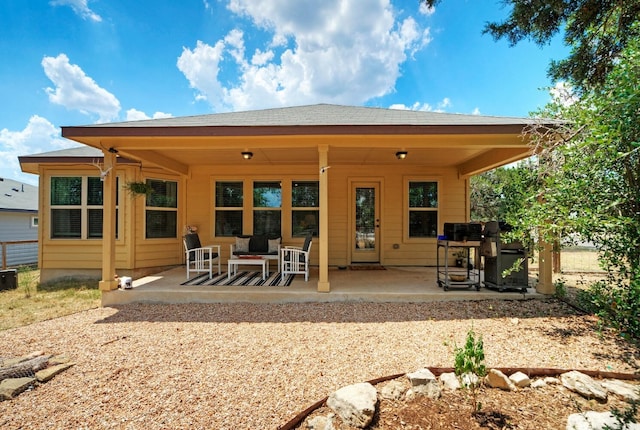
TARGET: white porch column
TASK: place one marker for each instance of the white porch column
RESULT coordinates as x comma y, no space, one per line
323,278
108,281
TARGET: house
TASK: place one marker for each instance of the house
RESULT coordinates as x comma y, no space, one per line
18,223
372,185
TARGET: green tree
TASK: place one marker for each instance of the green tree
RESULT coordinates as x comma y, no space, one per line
502,193
588,162
596,30
589,172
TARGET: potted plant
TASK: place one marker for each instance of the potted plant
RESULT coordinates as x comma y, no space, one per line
138,188
460,256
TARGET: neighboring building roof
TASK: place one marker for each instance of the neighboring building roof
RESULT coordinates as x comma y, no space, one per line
17,196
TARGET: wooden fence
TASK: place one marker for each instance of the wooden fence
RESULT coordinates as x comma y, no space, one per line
19,252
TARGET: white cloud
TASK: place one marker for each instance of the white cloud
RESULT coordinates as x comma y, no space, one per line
137,115
39,135
426,10
261,58
444,104
476,111
200,67
80,7
563,93
341,53
424,107
75,90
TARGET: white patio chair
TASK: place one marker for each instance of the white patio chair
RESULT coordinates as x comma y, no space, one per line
295,260
201,257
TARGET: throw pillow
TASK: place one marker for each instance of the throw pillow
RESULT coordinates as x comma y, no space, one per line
274,244
242,244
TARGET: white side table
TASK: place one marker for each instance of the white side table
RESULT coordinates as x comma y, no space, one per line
233,264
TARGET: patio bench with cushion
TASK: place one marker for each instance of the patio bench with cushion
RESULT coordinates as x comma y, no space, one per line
256,246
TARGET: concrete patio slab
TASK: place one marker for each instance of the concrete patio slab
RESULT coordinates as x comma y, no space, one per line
395,284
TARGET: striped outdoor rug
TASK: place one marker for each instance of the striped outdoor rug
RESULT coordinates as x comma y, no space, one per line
242,278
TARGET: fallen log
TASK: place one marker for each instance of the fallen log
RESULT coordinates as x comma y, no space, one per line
25,368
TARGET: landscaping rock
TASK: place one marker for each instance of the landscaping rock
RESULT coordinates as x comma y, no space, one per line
355,404
520,380
321,423
497,379
469,380
47,374
623,389
596,421
421,377
538,383
423,383
9,388
59,359
431,389
394,390
584,385
450,381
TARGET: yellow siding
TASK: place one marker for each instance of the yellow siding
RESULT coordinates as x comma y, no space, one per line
196,207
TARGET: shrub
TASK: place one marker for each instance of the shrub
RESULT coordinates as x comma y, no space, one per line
469,359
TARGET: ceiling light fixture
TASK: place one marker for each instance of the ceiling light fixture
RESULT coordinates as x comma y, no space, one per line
247,155
401,155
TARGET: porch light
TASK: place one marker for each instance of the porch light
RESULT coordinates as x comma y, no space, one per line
247,155
401,155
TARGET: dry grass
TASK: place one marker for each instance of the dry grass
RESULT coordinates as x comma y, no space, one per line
33,302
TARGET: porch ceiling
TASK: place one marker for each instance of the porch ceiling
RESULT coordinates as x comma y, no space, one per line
470,153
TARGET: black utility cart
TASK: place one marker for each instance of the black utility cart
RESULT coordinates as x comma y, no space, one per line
465,238
468,275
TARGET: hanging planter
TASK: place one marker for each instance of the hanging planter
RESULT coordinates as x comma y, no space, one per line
138,188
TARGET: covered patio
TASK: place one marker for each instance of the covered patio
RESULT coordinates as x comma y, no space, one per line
393,284
371,185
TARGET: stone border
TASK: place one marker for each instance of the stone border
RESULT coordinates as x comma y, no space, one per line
437,371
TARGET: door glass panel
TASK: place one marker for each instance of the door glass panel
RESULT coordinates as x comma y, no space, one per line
365,218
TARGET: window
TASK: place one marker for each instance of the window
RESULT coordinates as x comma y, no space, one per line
228,214
423,209
161,213
76,207
34,222
305,204
267,204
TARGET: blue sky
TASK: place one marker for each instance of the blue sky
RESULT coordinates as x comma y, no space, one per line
78,62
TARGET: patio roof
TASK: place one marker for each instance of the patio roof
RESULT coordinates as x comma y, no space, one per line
291,136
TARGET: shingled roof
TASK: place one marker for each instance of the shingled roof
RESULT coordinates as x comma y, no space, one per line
320,115
17,196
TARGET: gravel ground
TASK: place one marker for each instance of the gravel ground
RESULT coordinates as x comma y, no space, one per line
240,366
